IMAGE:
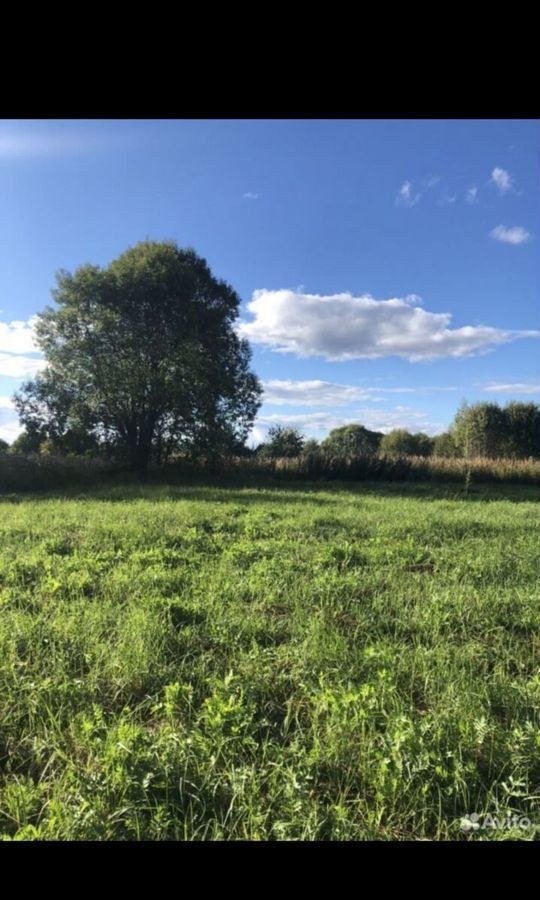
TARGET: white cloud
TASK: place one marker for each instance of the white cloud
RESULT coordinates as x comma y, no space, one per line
18,336
257,435
19,366
341,327
312,393
328,393
9,421
318,424
472,195
17,339
410,390
515,388
413,300
515,235
315,423
399,417
250,196
405,195
502,180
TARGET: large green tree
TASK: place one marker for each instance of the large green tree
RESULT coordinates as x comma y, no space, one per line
401,442
143,357
282,442
487,429
480,429
352,440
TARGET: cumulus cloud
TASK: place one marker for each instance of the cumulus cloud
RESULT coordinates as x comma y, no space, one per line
17,339
515,235
18,336
249,195
471,196
405,196
515,388
502,180
342,327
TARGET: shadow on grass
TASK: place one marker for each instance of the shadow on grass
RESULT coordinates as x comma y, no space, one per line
249,491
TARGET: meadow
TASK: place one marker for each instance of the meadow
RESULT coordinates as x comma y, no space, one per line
297,661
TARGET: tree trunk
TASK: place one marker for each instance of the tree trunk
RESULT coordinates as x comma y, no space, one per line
139,449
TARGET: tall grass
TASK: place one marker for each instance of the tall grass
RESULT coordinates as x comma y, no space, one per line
391,468
36,472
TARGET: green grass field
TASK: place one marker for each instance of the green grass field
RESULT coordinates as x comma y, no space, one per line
297,662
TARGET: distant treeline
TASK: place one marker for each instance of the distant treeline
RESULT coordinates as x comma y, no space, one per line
486,443
484,430
481,430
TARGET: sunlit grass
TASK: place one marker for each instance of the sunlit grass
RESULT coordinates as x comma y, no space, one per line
287,663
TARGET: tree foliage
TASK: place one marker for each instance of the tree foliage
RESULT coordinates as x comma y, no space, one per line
523,430
445,445
401,442
480,429
282,442
351,440
143,359
26,442
311,446
487,429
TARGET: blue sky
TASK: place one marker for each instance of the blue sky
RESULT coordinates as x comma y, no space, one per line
387,269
